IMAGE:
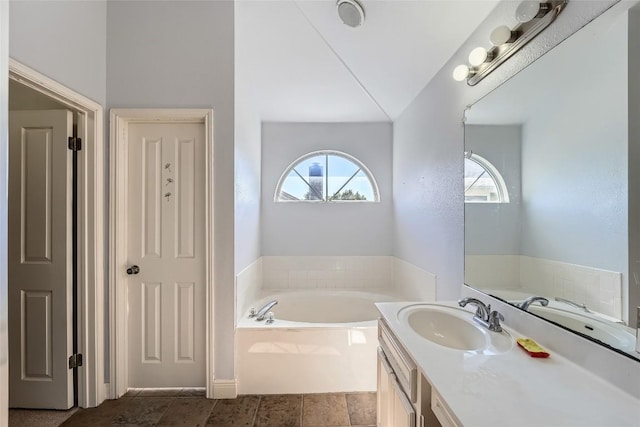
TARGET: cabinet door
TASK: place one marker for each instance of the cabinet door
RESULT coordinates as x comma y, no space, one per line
384,396
403,414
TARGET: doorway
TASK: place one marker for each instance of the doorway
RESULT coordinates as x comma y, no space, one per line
55,242
162,249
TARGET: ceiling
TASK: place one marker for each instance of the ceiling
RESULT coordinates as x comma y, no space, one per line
296,61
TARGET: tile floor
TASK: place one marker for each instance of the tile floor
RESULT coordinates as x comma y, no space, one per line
189,407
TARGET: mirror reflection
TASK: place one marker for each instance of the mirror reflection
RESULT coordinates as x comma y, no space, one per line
546,187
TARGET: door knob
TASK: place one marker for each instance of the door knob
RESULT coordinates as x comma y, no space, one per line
134,269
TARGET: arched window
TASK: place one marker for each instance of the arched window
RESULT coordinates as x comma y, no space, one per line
482,181
327,176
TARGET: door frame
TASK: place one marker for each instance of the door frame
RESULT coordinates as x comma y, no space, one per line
119,130
92,389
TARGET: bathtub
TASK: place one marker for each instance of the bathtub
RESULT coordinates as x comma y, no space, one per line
320,342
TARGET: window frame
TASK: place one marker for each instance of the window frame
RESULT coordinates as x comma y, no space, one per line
327,153
492,171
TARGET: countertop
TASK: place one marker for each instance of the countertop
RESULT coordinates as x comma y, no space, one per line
512,388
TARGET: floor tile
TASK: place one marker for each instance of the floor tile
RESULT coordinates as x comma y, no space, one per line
279,411
324,410
193,392
145,412
38,417
234,412
132,392
103,415
362,408
188,411
160,392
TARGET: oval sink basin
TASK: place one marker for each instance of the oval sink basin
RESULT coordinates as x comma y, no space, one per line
607,332
447,330
454,328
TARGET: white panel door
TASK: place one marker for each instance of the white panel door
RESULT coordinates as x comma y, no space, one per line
40,263
166,240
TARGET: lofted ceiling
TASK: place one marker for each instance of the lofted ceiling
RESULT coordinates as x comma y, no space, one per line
296,61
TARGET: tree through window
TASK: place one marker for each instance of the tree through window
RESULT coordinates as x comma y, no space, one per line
327,176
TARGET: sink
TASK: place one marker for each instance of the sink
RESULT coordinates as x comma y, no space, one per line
445,329
610,333
454,328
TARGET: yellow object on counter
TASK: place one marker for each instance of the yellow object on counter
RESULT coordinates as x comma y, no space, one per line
531,347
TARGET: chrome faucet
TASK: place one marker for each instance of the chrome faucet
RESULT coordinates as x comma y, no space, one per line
574,304
526,303
484,316
262,313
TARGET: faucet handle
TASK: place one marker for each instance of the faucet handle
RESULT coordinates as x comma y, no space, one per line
270,318
494,321
252,312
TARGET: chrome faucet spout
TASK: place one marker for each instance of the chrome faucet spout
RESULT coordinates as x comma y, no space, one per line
482,310
262,313
484,316
574,304
526,303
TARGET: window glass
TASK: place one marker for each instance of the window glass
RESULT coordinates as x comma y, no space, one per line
482,181
327,176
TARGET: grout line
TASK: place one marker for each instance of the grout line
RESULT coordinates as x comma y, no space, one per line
255,413
165,411
301,410
215,402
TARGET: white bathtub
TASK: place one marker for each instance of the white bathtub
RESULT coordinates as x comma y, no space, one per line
320,342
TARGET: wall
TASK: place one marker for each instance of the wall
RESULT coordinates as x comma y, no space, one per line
189,63
330,228
574,157
64,40
428,147
4,200
494,228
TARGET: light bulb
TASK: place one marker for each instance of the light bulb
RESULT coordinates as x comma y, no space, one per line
461,72
502,35
478,56
530,9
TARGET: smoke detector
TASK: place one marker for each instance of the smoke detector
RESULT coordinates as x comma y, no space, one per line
351,12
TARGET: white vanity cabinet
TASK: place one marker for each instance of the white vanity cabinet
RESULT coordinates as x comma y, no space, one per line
404,396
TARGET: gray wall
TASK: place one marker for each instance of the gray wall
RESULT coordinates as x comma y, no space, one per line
64,40
180,54
428,147
574,157
494,228
329,228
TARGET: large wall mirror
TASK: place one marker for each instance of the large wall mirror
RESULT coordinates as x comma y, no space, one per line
546,187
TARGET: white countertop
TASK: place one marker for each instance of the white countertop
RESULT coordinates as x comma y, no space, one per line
512,388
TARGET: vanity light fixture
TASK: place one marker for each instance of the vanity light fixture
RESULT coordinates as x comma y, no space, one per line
533,17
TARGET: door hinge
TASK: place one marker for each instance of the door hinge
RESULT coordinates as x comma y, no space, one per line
75,361
75,143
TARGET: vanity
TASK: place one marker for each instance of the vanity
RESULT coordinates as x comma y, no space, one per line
437,367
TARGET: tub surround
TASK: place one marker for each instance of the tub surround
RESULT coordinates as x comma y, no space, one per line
331,347
513,388
378,274
601,290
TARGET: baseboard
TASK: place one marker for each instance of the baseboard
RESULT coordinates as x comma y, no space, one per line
225,389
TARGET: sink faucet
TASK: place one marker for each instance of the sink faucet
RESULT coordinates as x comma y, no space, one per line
262,313
526,303
484,316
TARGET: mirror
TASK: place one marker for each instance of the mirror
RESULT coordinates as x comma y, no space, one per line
546,187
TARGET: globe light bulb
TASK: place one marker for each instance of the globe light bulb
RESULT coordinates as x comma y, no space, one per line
501,35
461,72
530,9
478,56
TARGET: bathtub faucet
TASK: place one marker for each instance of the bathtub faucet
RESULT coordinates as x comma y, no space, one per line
526,303
262,313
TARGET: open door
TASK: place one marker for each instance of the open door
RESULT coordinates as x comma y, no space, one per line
40,259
